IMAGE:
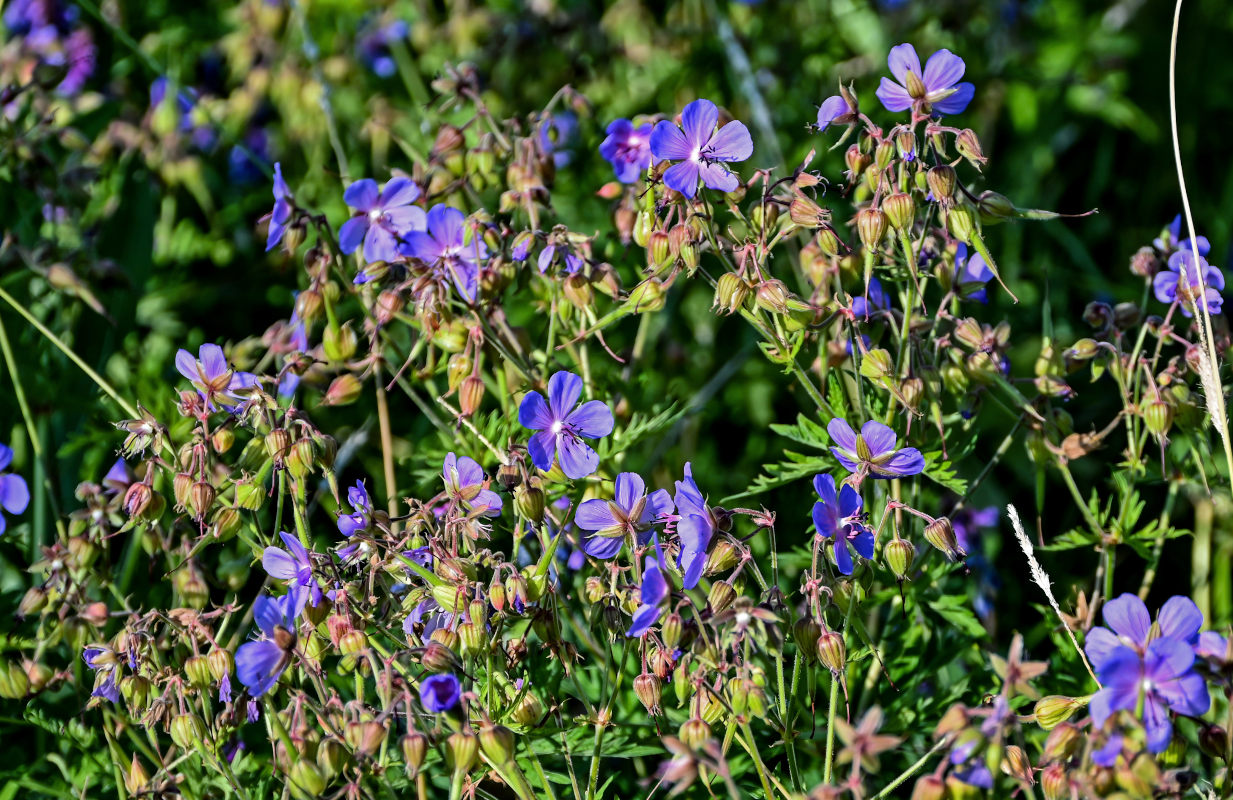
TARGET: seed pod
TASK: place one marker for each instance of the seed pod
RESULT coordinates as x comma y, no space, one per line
414,749
871,226
181,489
304,780
806,213
649,689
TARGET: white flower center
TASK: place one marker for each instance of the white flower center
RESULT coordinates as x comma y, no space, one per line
557,427
743,618
375,214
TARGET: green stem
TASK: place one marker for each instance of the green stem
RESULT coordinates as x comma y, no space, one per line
912,770
830,730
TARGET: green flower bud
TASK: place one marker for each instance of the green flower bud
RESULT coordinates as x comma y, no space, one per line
806,632
305,780
1158,416
871,226
900,211
414,750
1063,741
969,147
14,682
899,555
249,495
188,731
832,651
962,223
721,596
731,291
197,670
339,343
497,742
342,391
332,757
695,733
941,534
529,711
1055,783
942,180
220,663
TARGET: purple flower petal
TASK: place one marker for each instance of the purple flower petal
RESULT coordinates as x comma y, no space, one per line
564,389
831,108
668,143
379,245
543,449
957,102
603,547
534,413
688,498
1156,723
1100,645
6,452
825,519
14,494
732,142
894,97
902,60
698,120
841,434
592,419
849,501
422,245
658,504
644,618
1128,617
258,665
278,563
447,224
843,557
594,515
351,234
943,70
1180,619
629,489
362,195
683,177
907,461
545,258
405,220
878,437
718,177
862,542
577,459
398,192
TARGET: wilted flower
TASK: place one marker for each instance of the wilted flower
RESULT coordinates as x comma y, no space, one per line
561,427
627,149
361,511
444,247
281,213
840,109
936,88
211,376
14,494
872,451
837,516
630,515
1181,282
106,665
464,482
440,692
383,217
259,664
695,528
655,591
700,149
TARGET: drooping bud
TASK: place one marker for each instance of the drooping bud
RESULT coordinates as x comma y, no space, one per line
1158,416
806,213
941,534
1055,782
1062,743
497,742
695,732
649,689
1055,709
343,390
942,180
772,296
304,780
1213,741
832,651
994,208
470,395
968,145
930,787
731,291
414,750
962,223
529,500
462,751
720,597
222,440
1017,765
529,711
188,730
197,670
339,343
857,161
806,631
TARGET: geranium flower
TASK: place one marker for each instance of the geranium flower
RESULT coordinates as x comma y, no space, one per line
14,493
384,217
695,528
935,89
293,565
630,515
1180,282
259,664
281,214
441,692
837,516
444,247
464,482
700,149
655,591
562,428
627,149
212,377
872,451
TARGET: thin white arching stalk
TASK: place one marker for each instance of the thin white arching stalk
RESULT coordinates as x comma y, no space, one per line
1041,579
1209,361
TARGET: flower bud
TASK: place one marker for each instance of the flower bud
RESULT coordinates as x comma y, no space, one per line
222,440
197,670
649,689
856,161
389,304
884,153
806,213
658,251
1213,741
941,534
277,443
670,631
1055,782
1016,764
32,602
135,690
529,711
647,296
529,501
339,343
930,787
724,556
343,390
832,651
899,555
1062,743
137,500
772,296
1158,416
462,751
805,632
871,226
695,733
14,682
497,742
414,749
332,757
720,597
1054,710
436,657
188,731
962,224
969,147
731,291
220,663
577,290
470,395
304,780
900,211
200,498
352,642
941,180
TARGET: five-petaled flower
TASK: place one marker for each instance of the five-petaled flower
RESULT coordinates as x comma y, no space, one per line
628,149
561,427
1180,283
872,451
281,214
1148,668
440,692
464,483
444,246
259,664
212,377
14,493
106,665
655,590
837,516
628,516
382,219
293,565
700,149
936,89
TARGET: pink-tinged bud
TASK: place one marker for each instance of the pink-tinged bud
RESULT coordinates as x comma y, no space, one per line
857,161
660,662
871,226
353,642
941,534
1055,783
772,296
968,145
414,750
731,291
343,390
277,443
649,689
470,395
1017,765
577,290
390,304
446,637
222,440
201,498
138,499
942,180
1062,743
438,658
136,779
929,787
308,305
806,213
832,651
695,733
658,251
670,630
